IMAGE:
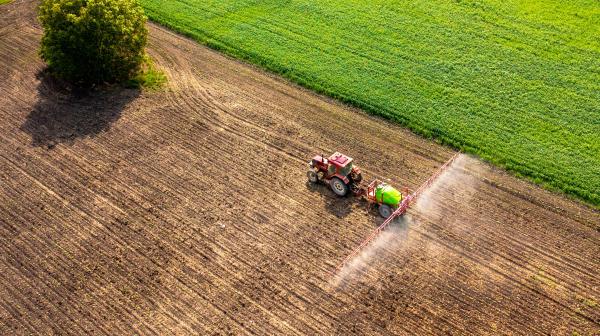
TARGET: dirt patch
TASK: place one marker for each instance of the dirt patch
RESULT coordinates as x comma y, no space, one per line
187,212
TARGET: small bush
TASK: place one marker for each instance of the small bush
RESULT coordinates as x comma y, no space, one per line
93,41
148,77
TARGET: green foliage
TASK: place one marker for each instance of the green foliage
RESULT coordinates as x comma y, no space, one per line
93,41
516,82
2,2
149,77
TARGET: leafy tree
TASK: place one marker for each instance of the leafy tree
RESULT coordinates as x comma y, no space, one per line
93,41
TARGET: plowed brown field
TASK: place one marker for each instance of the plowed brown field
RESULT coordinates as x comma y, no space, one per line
186,211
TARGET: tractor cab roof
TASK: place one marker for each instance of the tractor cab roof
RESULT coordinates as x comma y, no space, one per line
340,160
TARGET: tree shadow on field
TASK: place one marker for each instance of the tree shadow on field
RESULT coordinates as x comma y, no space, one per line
64,113
338,206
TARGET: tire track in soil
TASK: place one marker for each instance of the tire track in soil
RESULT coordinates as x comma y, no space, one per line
71,260
108,255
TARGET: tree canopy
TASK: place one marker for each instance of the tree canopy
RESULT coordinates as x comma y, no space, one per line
93,41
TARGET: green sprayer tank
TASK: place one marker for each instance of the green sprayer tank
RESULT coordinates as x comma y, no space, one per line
386,194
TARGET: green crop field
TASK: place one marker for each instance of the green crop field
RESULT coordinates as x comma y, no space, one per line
515,82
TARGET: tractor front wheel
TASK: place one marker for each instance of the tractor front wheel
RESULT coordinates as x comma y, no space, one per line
385,210
339,187
312,176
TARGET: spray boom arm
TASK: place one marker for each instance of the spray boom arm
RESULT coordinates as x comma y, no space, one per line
404,205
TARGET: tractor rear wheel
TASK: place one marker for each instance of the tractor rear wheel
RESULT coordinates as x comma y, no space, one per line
385,210
312,176
339,187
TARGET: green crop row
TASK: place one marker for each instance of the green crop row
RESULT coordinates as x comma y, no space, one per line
514,82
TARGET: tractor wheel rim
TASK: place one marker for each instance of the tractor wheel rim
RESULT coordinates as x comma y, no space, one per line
338,186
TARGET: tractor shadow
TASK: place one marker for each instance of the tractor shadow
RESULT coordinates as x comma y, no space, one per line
64,113
338,206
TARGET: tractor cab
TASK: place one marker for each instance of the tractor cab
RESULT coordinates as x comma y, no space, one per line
338,170
337,164
340,164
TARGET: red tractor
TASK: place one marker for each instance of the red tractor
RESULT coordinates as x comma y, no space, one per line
338,171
